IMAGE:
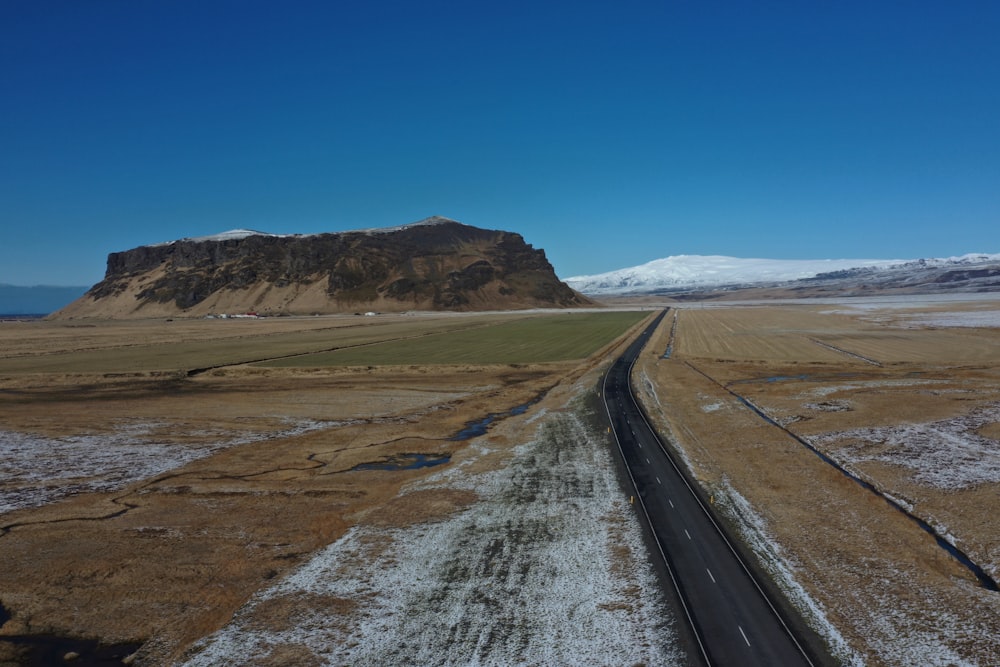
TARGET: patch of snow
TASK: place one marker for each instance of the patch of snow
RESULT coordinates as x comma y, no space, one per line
231,235
900,632
651,388
829,406
946,454
433,220
238,234
978,319
36,470
826,390
533,573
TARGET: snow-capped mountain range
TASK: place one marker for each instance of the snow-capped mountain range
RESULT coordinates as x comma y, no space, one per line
692,272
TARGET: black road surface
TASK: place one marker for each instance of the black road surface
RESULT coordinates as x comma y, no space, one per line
731,617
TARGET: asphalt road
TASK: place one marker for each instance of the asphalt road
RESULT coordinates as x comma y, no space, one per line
733,621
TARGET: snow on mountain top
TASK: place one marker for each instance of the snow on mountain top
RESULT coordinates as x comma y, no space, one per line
680,272
231,235
433,220
685,271
237,234
969,258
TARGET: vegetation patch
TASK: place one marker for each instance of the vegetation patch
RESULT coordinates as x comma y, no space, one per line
561,337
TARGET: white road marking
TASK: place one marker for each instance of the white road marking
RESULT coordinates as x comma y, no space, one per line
647,459
709,574
744,635
658,481
670,501
687,533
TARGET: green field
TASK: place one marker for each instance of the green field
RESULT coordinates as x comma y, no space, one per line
537,339
213,343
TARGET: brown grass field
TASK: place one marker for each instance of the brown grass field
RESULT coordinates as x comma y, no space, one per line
157,475
909,404
142,503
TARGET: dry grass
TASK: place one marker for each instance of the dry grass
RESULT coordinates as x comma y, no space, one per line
254,475
922,427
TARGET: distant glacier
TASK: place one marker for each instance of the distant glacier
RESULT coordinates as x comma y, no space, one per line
681,272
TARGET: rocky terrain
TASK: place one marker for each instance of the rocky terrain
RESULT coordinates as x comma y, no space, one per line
434,264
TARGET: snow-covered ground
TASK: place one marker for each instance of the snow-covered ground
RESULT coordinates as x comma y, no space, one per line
35,470
547,568
947,454
982,312
977,319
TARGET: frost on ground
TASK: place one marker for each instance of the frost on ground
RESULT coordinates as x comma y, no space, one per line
870,312
900,631
756,534
834,388
974,319
896,631
947,454
36,470
548,567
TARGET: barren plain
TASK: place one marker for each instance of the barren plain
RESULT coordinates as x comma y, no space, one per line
855,448
331,490
436,489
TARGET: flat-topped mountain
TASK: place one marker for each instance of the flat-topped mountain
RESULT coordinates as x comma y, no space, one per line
434,264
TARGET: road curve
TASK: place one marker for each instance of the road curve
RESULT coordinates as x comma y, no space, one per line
733,621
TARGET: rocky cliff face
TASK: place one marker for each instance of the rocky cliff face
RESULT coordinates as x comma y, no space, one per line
435,264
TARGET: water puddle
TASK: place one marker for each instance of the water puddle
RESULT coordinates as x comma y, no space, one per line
673,333
472,429
406,462
476,428
47,650
802,377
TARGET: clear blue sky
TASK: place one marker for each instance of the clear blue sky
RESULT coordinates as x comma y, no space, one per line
608,133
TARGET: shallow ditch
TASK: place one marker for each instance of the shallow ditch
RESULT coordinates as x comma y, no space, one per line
405,462
472,429
801,377
476,428
984,579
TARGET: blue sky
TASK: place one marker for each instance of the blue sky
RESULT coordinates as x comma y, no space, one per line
607,133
